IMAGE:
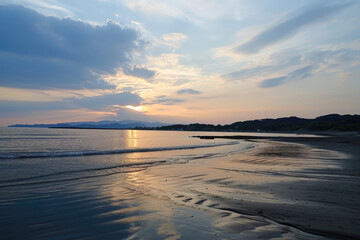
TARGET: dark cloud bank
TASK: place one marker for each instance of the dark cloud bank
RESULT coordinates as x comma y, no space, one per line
40,52
100,102
94,103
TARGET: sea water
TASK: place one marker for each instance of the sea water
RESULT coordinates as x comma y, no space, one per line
33,155
78,183
129,184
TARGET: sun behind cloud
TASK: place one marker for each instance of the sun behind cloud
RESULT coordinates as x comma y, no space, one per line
138,108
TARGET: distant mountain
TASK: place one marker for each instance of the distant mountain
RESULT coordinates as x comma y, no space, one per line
125,124
332,122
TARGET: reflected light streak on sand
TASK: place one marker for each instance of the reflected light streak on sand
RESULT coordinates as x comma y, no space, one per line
157,213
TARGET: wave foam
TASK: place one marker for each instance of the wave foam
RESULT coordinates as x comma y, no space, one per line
108,152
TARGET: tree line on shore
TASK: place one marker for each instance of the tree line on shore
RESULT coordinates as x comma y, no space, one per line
331,122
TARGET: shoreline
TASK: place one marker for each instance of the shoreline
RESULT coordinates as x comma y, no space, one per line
348,144
298,132
301,187
350,167
349,170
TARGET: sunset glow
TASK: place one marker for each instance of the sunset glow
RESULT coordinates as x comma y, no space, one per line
138,108
179,119
174,61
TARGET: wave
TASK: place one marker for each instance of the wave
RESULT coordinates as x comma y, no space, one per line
79,174
86,173
107,152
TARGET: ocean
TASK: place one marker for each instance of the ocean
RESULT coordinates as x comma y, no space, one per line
37,155
138,184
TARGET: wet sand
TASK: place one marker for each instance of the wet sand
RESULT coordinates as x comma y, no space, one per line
300,183
282,188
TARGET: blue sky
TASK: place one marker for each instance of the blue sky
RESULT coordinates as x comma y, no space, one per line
177,61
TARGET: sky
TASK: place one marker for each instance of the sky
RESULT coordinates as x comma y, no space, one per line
177,61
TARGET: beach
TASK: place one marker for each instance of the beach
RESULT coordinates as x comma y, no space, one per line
179,120
256,186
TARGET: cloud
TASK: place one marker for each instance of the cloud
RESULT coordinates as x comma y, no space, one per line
96,103
161,96
326,59
169,70
188,91
173,40
47,7
103,101
272,82
301,73
290,26
42,52
329,59
165,101
126,114
197,12
265,66
174,37
41,73
26,106
140,72
245,74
